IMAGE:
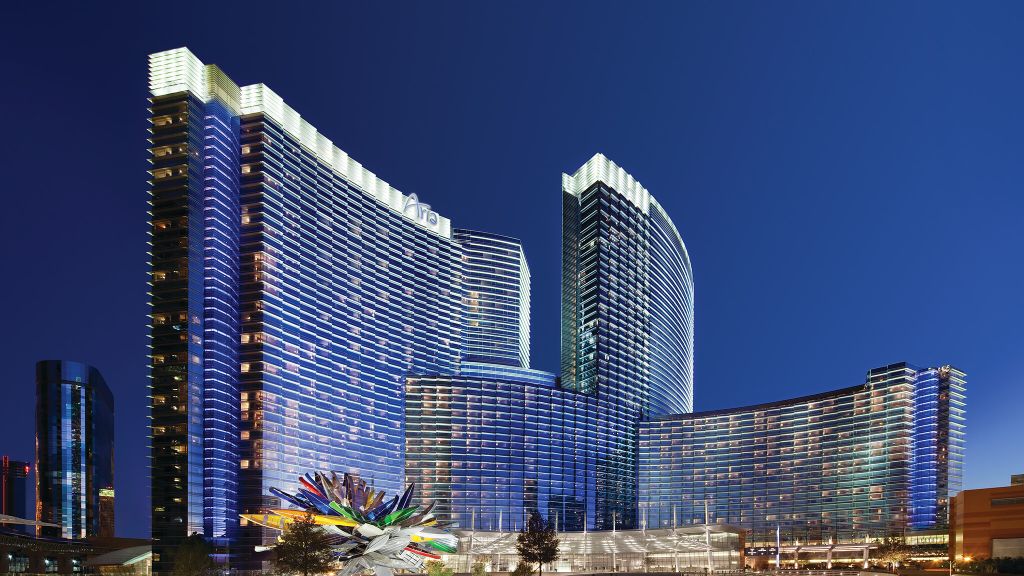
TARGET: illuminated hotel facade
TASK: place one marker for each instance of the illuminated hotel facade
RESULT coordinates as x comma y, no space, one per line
292,292
493,447
496,284
862,462
305,315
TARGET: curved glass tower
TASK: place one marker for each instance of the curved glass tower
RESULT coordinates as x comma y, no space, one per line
74,450
627,319
671,313
627,293
292,291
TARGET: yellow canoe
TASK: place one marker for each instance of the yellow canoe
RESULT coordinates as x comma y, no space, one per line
320,519
267,520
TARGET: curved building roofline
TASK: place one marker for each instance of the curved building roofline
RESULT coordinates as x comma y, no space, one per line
765,405
602,169
488,235
675,232
179,70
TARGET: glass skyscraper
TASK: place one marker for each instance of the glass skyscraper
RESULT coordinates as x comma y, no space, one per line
292,292
627,293
305,315
491,446
627,319
194,332
865,461
13,481
74,450
496,282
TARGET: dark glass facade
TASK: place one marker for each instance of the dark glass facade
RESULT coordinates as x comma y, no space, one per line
866,461
627,294
13,486
194,309
74,448
627,320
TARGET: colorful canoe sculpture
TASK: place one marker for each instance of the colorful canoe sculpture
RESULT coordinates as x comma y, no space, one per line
370,531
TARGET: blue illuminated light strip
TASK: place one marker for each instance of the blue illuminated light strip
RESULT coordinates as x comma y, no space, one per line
221,216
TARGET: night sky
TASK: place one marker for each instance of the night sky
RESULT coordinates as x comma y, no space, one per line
847,176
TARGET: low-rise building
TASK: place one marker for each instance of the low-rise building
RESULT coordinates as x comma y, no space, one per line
987,523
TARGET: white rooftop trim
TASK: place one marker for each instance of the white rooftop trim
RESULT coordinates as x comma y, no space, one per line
600,169
179,70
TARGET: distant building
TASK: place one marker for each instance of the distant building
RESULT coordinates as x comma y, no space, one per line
496,288
1016,479
74,451
987,523
107,512
13,480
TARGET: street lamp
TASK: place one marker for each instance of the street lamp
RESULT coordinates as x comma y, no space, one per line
952,562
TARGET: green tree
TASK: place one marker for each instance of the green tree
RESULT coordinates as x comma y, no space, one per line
537,543
438,568
523,569
893,551
304,548
193,557
478,569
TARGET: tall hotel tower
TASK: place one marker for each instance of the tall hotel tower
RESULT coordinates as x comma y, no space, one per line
305,315
292,292
490,446
627,318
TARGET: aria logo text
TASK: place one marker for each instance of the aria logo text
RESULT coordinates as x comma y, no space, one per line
419,211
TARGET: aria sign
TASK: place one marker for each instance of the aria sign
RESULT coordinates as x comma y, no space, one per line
419,212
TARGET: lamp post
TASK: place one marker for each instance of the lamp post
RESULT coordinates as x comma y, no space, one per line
952,561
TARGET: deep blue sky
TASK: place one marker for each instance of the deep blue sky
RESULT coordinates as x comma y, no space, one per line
847,176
